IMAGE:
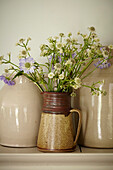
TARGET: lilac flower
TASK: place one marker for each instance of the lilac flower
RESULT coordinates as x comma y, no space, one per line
73,55
27,65
101,48
7,80
59,59
11,83
102,65
2,77
50,58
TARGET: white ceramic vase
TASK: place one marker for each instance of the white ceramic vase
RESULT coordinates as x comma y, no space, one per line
20,109
97,112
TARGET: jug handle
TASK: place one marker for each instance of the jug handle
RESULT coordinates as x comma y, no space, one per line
79,124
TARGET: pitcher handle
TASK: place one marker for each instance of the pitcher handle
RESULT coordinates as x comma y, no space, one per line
79,124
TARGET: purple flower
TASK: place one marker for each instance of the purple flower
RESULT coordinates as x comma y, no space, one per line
7,80
102,65
11,83
2,77
27,65
101,48
73,55
59,59
50,58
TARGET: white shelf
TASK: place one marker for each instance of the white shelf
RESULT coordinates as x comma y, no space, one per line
31,159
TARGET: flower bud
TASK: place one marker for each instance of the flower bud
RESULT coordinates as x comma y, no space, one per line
6,70
1,58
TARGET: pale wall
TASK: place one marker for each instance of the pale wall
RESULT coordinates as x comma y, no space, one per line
40,19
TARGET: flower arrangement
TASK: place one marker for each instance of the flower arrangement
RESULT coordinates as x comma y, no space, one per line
67,61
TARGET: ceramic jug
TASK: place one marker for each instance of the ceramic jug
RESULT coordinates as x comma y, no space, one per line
97,111
56,133
20,110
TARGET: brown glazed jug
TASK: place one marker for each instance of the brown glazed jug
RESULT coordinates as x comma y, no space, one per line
56,132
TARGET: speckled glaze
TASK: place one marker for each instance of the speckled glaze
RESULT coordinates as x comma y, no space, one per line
56,133
20,110
97,112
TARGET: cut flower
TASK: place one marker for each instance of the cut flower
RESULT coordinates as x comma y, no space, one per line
77,83
57,66
77,80
67,60
27,65
51,75
103,65
7,80
61,76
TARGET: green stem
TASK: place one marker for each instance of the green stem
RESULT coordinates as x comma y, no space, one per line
92,70
85,68
86,86
58,86
20,45
89,73
29,77
43,65
51,85
44,86
11,73
48,84
26,49
11,63
40,88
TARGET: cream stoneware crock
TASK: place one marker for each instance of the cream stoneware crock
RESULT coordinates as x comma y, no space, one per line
20,108
97,111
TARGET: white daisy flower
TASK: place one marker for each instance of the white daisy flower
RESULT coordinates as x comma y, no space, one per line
59,45
77,80
51,46
89,52
51,75
50,39
61,50
77,83
57,66
61,76
68,62
76,86
110,46
105,53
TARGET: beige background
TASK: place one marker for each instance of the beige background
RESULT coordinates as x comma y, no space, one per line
40,19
